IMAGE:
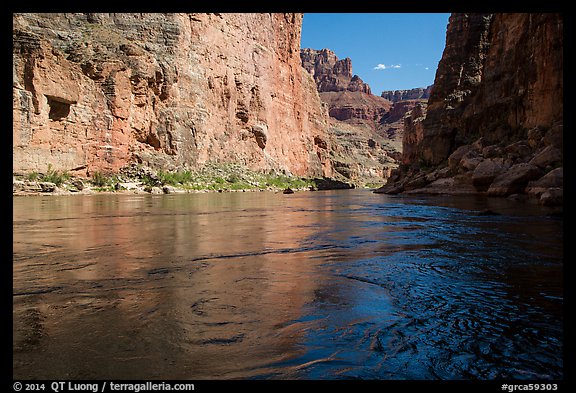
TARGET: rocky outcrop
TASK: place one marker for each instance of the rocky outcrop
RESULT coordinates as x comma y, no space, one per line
330,73
411,94
494,119
349,99
413,130
94,92
360,156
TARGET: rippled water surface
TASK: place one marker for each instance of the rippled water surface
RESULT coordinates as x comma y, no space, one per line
313,285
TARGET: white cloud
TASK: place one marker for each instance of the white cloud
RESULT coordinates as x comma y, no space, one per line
386,67
426,68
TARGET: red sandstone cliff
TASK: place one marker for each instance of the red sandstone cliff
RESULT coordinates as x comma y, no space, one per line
94,92
494,119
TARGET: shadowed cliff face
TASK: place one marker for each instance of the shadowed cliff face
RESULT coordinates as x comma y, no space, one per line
98,91
458,75
494,118
500,75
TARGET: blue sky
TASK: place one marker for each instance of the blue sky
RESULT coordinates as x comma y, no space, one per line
388,51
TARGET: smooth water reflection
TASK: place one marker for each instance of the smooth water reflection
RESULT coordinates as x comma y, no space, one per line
313,285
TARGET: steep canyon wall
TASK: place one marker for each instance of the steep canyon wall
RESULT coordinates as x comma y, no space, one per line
94,92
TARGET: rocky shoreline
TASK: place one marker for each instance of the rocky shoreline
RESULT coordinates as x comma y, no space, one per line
33,188
136,179
523,170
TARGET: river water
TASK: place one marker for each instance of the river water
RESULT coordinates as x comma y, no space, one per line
315,285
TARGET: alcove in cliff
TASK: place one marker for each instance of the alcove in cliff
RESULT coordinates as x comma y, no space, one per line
58,108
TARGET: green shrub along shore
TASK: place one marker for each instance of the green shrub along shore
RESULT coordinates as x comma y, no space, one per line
140,179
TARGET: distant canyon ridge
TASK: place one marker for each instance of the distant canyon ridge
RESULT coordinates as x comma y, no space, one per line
366,129
97,92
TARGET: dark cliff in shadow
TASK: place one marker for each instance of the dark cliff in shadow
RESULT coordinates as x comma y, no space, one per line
494,120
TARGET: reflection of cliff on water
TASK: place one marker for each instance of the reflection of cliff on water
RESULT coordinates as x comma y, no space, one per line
129,286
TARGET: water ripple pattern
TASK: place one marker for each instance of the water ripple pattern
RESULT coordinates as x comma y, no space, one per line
314,285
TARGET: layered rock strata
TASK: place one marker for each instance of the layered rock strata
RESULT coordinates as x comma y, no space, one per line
349,99
356,108
494,120
331,73
94,92
411,94
393,125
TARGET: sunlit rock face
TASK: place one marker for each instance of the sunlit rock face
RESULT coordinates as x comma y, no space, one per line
331,73
94,92
499,91
417,93
347,96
